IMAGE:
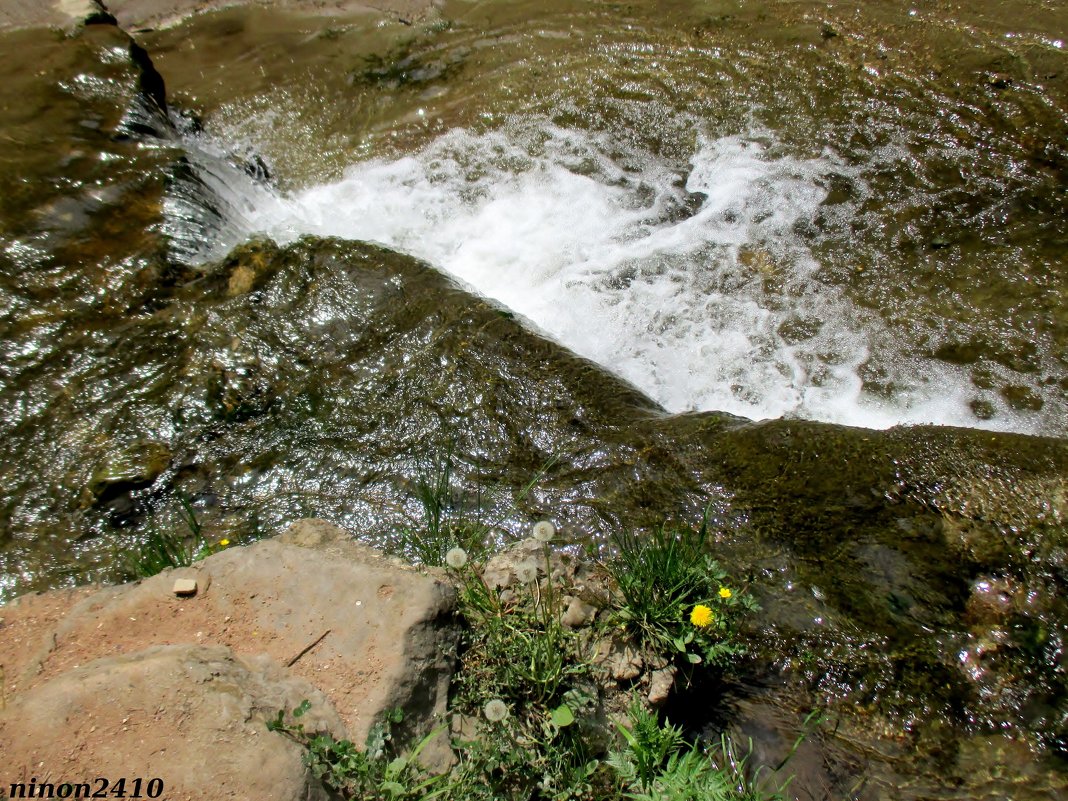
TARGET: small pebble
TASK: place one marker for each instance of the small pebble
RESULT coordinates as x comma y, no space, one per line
185,587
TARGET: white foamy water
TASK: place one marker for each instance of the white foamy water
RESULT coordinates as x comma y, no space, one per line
693,284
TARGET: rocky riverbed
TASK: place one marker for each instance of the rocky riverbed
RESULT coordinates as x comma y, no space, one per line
170,341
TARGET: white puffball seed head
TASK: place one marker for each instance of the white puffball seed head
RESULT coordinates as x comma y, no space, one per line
526,572
544,531
495,710
456,558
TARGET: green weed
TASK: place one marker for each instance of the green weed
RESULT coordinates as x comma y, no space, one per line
163,548
673,597
658,765
530,739
649,747
376,772
692,775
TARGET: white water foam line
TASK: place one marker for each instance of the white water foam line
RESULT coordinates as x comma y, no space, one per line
695,288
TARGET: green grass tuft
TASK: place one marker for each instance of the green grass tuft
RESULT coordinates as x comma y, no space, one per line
163,548
673,597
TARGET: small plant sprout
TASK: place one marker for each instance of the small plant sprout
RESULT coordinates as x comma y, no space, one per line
544,531
495,710
377,771
702,616
456,558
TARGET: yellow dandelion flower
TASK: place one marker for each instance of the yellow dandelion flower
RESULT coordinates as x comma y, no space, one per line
701,616
224,543
725,593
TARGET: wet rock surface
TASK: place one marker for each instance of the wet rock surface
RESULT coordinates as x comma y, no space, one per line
861,546
148,14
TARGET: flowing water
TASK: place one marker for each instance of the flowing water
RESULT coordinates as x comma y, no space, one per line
796,211
608,236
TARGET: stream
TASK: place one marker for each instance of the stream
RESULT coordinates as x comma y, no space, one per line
794,268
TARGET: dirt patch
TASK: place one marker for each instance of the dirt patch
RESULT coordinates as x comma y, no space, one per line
368,632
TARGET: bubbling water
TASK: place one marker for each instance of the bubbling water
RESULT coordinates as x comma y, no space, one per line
692,283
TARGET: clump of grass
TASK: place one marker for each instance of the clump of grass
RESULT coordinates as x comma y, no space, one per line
528,740
692,774
446,523
161,550
673,597
554,761
452,518
164,548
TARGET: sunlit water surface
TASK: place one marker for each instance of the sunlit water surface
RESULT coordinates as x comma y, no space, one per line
787,228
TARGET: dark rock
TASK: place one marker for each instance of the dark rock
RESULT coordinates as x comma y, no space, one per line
131,468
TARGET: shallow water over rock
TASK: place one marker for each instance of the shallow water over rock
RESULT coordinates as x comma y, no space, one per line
784,209
863,209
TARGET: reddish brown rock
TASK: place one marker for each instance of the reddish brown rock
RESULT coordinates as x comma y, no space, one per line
190,716
370,633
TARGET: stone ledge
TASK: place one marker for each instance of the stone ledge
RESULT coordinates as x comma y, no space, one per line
370,633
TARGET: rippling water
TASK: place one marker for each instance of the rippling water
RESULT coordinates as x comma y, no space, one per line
802,224
694,285
778,210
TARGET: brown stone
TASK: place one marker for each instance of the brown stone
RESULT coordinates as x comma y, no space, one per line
191,716
578,613
619,658
389,637
184,586
661,683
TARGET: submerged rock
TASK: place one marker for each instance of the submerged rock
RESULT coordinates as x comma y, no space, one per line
129,468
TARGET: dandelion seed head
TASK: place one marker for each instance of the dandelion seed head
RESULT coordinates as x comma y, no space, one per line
495,710
526,572
456,558
544,531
